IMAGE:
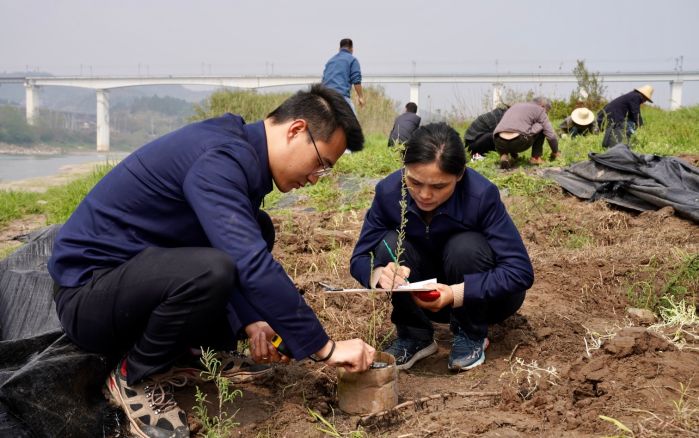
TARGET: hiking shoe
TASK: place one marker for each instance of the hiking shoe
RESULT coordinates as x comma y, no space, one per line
407,351
536,160
467,353
149,405
236,367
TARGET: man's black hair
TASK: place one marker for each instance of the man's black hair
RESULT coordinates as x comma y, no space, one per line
411,107
324,110
436,142
345,43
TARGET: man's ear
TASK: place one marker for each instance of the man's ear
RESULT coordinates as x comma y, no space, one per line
295,128
461,176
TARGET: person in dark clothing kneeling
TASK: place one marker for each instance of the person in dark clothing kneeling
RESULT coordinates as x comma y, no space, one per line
456,230
171,251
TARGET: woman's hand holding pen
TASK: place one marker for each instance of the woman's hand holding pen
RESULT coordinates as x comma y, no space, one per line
393,276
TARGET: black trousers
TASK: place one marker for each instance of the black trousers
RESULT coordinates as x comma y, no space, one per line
155,306
463,253
614,134
520,144
483,144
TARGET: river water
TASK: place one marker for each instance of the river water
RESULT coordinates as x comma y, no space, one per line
16,167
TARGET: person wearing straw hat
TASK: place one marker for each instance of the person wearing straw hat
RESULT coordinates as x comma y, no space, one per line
580,122
623,115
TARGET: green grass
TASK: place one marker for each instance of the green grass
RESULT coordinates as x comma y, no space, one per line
57,203
654,285
664,133
375,160
563,235
16,204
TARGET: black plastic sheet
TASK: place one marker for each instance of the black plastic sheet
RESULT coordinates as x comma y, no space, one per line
636,181
48,386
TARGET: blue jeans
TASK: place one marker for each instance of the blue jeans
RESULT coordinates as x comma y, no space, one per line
351,104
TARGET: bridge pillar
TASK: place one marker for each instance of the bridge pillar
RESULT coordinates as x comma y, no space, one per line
675,94
415,94
32,102
102,120
497,94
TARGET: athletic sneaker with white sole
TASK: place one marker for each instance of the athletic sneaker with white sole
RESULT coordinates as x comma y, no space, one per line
407,351
467,353
149,405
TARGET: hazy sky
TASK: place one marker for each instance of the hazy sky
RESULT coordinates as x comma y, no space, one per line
129,37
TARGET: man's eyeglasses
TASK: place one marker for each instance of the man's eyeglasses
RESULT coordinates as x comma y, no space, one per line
324,170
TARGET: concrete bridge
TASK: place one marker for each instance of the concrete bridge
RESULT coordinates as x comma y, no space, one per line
103,84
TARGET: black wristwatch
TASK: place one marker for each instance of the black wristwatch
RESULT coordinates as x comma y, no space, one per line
315,358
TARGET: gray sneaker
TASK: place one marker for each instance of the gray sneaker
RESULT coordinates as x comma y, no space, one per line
407,351
150,405
467,353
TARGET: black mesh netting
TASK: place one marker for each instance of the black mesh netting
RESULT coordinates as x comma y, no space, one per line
48,386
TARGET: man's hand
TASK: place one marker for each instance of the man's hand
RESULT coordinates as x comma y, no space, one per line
261,349
361,101
354,355
446,298
393,276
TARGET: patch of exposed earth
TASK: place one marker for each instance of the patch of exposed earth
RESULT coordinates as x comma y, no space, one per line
571,354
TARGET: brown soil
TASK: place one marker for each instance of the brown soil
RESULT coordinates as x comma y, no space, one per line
539,378
543,374
12,235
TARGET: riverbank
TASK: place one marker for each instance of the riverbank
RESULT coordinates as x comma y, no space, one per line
38,149
65,174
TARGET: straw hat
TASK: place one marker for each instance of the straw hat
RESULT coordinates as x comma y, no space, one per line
582,116
646,91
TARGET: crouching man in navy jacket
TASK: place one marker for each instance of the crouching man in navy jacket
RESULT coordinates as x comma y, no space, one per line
170,250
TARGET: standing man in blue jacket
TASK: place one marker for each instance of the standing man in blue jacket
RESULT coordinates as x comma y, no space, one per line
342,71
171,250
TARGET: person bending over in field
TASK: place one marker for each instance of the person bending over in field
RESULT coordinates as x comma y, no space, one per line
524,126
622,116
